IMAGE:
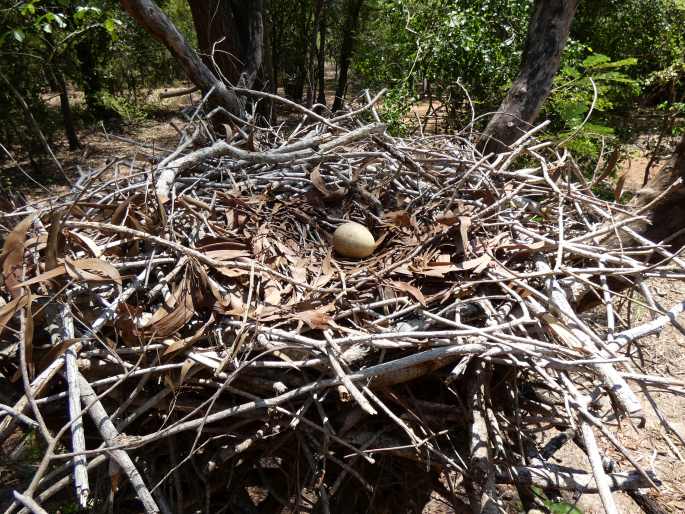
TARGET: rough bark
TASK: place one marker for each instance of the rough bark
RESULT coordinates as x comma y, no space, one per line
321,60
58,84
149,16
313,53
230,35
346,48
548,31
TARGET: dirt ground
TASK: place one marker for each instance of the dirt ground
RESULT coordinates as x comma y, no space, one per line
660,354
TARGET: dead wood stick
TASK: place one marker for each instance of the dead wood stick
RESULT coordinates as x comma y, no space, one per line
483,497
178,92
613,380
168,173
552,476
109,433
78,439
29,503
340,373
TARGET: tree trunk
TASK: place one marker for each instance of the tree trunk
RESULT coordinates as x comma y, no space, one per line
57,83
548,31
321,60
313,53
149,16
91,79
230,35
346,48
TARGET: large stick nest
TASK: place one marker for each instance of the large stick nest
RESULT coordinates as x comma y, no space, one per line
241,363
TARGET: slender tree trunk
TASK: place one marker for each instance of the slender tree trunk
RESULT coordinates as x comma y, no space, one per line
321,59
151,18
91,80
346,48
230,36
313,53
548,31
57,83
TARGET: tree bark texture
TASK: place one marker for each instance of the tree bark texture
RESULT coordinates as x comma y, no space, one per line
548,31
58,84
321,60
312,74
346,49
230,35
149,16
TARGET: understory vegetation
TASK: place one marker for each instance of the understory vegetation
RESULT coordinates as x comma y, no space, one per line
450,56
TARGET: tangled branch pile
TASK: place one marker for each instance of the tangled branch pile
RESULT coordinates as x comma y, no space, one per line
222,356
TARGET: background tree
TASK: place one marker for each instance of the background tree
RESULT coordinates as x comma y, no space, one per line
230,37
548,31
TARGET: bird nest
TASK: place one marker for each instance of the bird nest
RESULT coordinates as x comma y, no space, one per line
189,322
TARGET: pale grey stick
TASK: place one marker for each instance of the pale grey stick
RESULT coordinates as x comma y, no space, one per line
109,433
78,439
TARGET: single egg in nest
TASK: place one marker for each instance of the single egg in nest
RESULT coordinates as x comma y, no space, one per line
353,240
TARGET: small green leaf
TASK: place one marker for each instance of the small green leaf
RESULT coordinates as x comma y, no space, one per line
47,28
595,60
19,35
562,508
630,61
28,8
110,25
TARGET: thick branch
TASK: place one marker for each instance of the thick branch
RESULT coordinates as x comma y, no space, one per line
149,16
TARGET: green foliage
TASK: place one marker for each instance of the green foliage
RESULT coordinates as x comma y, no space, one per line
594,83
126,108
477,42
555,507
94,46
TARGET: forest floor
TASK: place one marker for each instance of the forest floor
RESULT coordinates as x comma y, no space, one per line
153,137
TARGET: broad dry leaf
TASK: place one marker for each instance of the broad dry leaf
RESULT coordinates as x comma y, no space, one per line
412,290
318,182
316,318
87,243
227,255
272,292
464,224
399,218
84,268
13,255
79,270
166,322
8,311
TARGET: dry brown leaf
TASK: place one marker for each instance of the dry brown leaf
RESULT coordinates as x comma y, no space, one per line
315,319
79,270
399,218
104,271
165,322
318,182
412,290
8,311
86,242
232,272
464,224
478,264
13,255
227,255
272,292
